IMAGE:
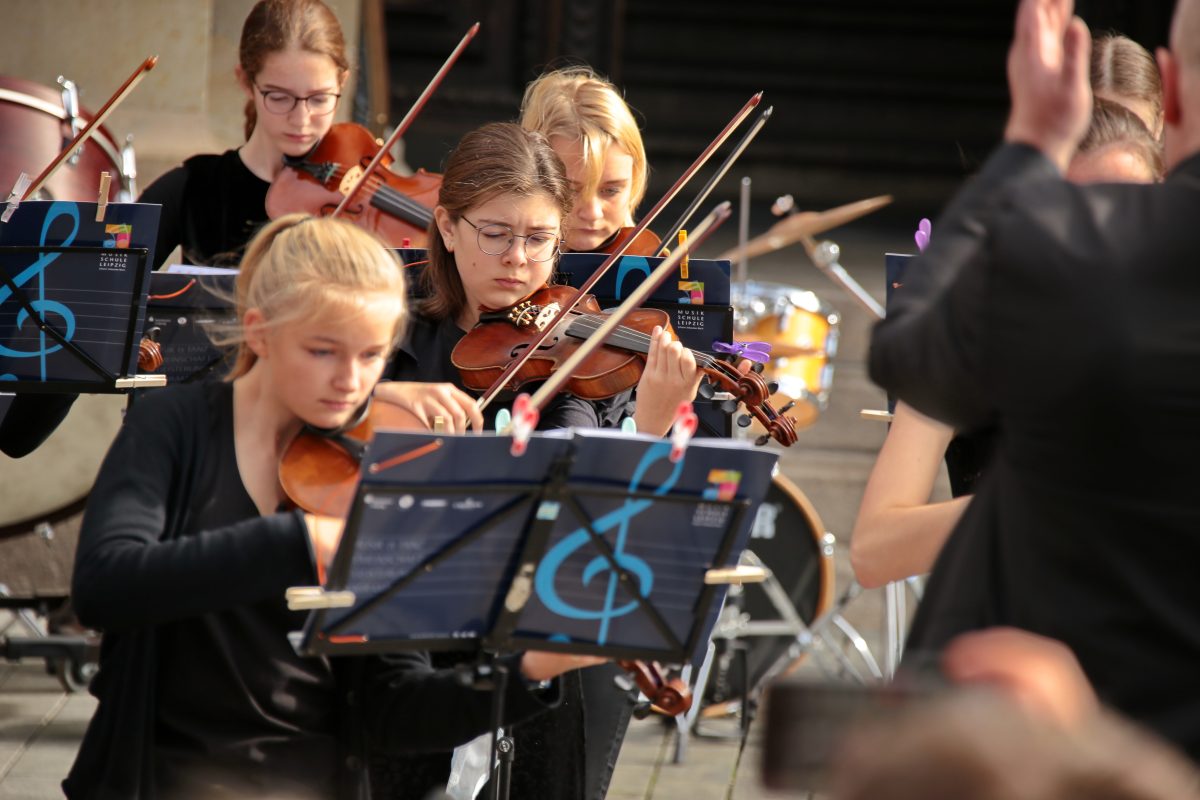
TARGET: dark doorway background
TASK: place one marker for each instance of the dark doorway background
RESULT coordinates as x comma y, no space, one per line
870,96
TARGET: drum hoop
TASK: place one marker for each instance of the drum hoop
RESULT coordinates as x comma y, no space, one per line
100,137
828,568
29,524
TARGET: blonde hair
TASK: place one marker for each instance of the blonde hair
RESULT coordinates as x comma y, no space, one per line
1122,70
298,266
581,106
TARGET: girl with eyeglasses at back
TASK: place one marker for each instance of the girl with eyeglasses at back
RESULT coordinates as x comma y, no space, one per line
292,67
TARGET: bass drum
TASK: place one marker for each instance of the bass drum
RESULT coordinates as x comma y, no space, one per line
36,124
43,494
789,538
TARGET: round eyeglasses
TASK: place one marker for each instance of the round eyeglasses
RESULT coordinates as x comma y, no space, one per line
280,102
495,240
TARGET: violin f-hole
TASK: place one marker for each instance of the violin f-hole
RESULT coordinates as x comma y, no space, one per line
520,348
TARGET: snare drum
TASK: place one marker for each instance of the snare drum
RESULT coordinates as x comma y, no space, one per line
803,334
36,122
789,538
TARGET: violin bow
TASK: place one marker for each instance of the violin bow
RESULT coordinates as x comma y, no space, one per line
85,134
673,231
688,174
644,289
402,128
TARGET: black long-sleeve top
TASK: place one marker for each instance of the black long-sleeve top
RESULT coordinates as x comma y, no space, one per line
142,566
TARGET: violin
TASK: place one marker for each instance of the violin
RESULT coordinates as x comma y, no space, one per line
484,353
319,468
645,243
398,209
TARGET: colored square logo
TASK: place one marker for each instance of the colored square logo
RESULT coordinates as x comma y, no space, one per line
118,236
722,484
693,293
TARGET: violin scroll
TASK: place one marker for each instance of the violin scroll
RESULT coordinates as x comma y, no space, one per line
670,695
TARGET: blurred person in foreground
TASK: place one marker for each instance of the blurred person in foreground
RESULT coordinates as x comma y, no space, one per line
1064,316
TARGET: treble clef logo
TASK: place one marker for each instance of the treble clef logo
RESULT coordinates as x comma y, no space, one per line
40,303
544,580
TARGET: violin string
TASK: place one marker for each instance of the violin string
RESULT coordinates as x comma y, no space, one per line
392,200
641,341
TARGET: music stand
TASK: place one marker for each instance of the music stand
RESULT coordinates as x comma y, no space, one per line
73,287
452,544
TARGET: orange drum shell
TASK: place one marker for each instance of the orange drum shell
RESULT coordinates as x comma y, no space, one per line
33,129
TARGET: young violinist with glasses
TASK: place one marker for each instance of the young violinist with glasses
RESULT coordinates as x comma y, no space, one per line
292,67
187,548
498,228
499,224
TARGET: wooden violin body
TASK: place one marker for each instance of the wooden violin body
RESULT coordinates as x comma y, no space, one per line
319,469
398,209
645,243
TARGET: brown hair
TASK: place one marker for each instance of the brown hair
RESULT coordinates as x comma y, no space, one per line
1115,126
500,158
276,25
1122,69
300,266
579,105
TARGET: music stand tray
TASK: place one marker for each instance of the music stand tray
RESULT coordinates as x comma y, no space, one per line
591,542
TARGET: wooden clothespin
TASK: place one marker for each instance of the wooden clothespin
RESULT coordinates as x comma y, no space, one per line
16,196
102,200
683,265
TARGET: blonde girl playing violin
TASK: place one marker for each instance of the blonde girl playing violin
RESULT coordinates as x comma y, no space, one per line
188,546
498,228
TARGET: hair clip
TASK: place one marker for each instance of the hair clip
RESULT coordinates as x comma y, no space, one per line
924,231
753,351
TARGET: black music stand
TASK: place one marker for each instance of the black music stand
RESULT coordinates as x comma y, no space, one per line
76,328
453,544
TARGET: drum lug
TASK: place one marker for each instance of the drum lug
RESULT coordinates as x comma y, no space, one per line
129,191
70,101
828,544
45,531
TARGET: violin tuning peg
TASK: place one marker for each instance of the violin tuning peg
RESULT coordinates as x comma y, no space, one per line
788,407
706,390
743,421
772,387
758,367
728,406
760,441
642,710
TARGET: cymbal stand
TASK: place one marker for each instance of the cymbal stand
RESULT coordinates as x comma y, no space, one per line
743,231
824,256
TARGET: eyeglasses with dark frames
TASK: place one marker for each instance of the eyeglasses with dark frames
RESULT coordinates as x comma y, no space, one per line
278,101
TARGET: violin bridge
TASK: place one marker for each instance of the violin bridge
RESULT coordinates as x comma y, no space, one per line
546,315
350,179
